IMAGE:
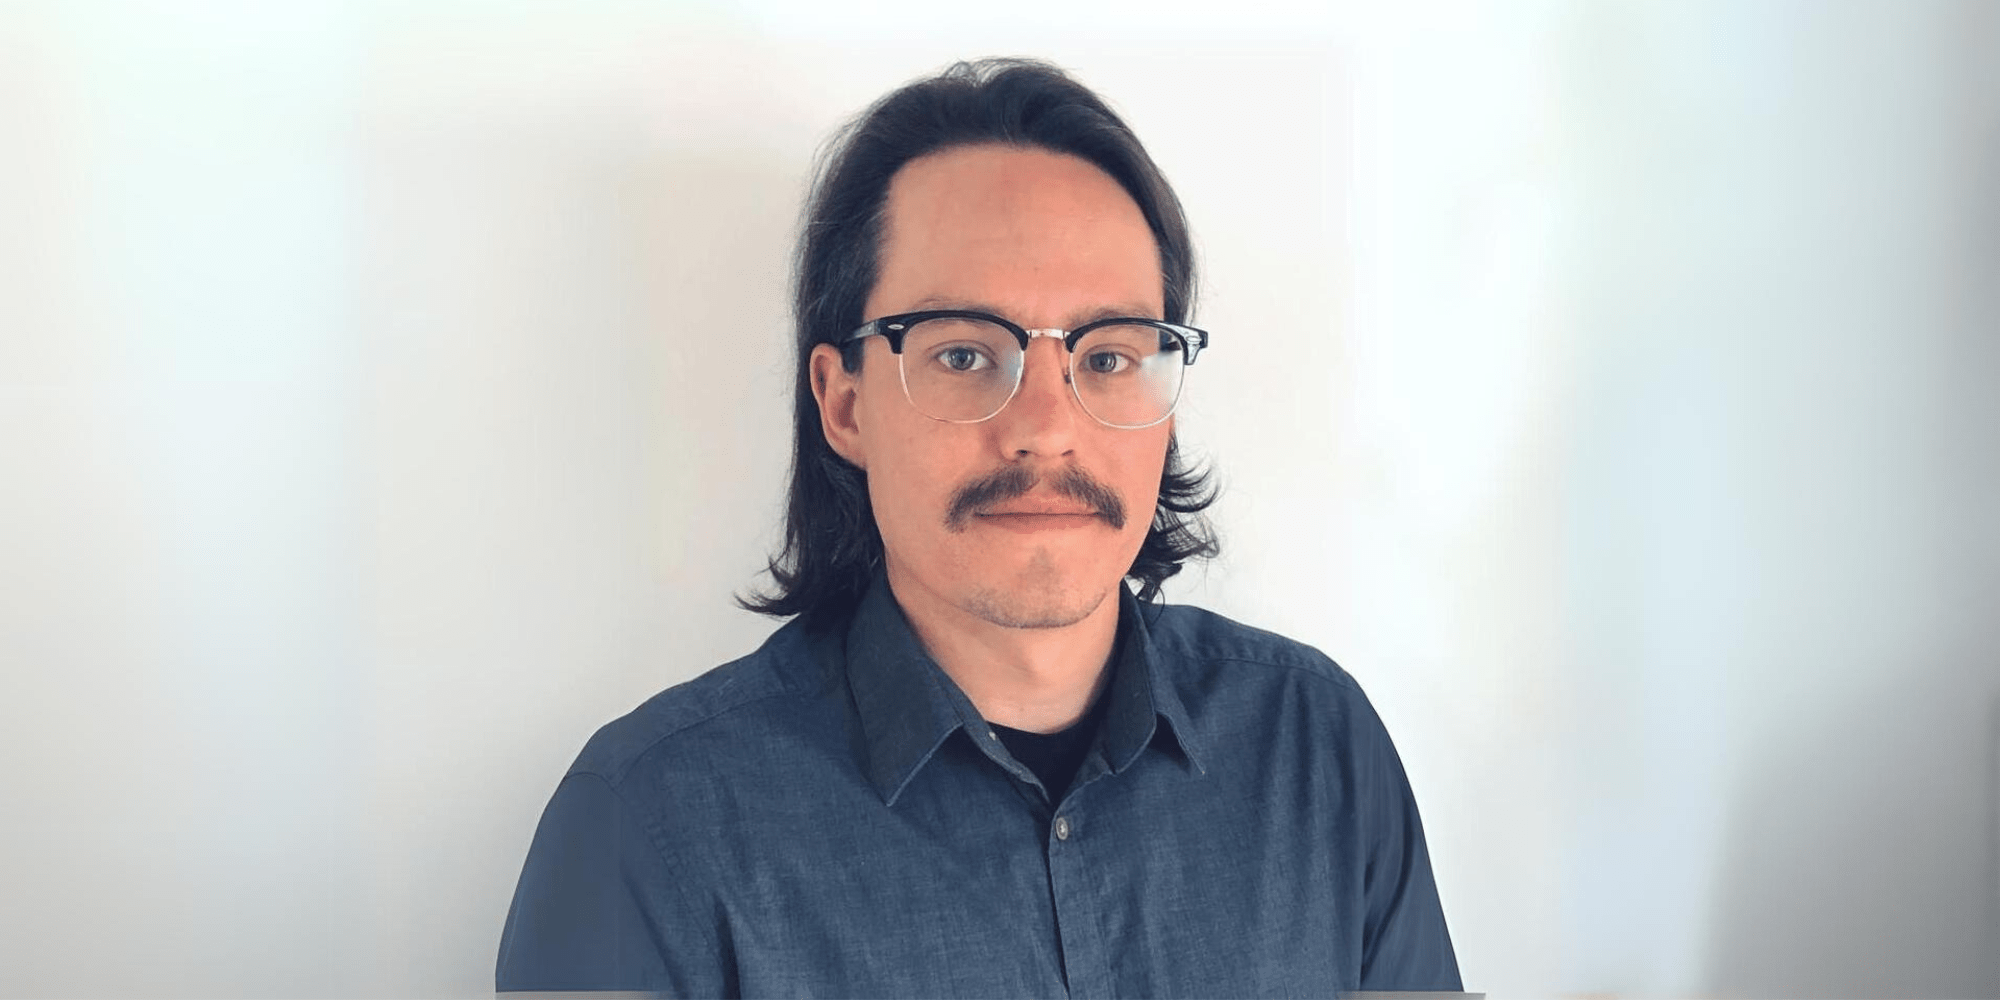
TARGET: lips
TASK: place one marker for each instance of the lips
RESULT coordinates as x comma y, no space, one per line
1019,497
1041,508
1037,523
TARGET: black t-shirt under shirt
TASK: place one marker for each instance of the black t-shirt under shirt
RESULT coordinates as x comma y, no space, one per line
1055,757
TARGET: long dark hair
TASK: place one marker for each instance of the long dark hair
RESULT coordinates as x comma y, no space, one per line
832,548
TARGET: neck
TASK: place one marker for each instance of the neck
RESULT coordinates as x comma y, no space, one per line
1041,680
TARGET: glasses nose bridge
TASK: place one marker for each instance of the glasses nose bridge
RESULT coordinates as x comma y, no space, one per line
1062,349
1063,345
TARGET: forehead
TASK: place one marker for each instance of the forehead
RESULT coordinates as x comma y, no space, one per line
1037,234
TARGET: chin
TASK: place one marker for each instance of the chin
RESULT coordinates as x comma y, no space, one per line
1040,594
1030,609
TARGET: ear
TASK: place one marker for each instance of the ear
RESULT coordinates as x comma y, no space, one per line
838,392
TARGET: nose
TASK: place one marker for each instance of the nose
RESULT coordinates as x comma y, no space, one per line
1042,418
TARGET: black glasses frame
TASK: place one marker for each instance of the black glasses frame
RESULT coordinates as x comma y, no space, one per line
892,329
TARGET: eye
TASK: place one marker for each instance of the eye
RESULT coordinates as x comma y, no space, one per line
1106,362
961,358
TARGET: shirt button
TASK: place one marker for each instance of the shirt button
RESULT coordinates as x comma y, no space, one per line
1062,827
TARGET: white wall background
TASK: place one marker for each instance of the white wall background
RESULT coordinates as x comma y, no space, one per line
392,393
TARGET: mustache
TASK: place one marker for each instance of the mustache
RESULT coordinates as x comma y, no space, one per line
1017,481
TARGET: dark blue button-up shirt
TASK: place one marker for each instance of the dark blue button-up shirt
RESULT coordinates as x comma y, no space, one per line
830,816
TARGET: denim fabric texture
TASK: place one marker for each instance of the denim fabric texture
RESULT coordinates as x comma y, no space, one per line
830,816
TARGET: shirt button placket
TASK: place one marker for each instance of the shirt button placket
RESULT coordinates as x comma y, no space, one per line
1078,911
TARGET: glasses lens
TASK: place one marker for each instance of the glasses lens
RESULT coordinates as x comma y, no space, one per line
1128,376
960,369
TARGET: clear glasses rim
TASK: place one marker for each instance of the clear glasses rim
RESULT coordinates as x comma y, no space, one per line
894,326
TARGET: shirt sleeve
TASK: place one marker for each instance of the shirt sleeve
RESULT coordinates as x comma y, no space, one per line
597,907
1404,943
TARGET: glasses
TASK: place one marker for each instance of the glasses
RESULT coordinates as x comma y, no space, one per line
963,367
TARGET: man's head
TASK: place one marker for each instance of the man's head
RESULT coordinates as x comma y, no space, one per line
1007,188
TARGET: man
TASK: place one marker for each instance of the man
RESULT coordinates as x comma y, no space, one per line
975,763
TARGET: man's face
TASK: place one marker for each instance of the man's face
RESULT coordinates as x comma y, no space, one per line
1044,240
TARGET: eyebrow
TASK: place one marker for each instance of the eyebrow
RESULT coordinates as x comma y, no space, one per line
971,305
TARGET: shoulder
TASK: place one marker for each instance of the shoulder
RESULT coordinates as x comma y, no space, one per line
1245,686
785,670
1199,639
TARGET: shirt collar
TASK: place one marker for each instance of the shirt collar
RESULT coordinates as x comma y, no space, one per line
908,705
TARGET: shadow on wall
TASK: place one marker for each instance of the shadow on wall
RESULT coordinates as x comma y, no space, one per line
1862,855
1864,859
